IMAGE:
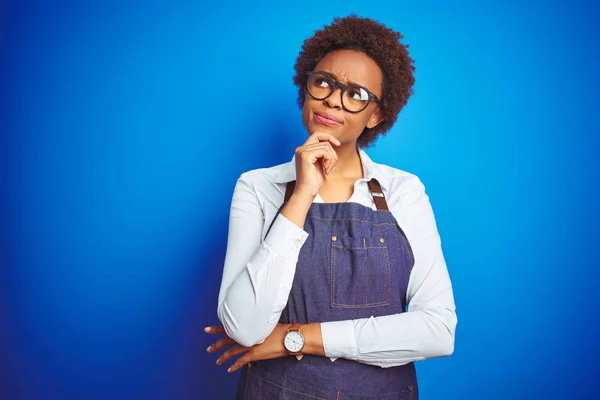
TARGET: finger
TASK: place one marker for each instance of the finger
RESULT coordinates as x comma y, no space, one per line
311,155
215,330
221,344
320,145
331,140
233,351
240,362
324,155
325,166
330,158
320,150
317,137
327,169
306,150
334,159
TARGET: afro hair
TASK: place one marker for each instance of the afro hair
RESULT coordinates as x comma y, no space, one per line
377,41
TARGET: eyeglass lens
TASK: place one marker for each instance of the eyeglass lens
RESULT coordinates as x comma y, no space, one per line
354,98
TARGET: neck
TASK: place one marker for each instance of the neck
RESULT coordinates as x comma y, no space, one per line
349,164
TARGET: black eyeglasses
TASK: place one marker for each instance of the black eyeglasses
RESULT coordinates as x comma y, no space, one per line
355,98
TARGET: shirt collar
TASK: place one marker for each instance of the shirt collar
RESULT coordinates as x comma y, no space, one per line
371,170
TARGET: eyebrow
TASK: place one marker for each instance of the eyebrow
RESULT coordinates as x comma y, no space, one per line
334,76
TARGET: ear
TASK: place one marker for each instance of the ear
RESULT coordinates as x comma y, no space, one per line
375,119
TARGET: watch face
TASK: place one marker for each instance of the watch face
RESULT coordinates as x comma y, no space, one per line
294,341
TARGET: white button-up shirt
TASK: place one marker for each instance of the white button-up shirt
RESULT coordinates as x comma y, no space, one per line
258,271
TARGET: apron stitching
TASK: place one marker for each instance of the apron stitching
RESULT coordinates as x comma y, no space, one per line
332,276
370,305
366,272
361,247
350,219
387,263
284,388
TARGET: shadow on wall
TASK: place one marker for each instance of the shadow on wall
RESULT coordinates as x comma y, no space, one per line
195,374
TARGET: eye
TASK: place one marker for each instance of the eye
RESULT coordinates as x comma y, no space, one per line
322,82
358,94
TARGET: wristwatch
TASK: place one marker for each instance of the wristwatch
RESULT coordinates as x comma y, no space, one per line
294,341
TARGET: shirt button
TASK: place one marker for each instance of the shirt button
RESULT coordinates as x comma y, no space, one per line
382,240
333,238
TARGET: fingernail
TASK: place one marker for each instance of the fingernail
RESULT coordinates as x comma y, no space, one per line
208,348
228,369
207,329
218,361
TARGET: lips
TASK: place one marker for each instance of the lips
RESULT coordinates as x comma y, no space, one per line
327,119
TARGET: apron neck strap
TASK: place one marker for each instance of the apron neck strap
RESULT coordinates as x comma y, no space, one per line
289,190
374,187
378,195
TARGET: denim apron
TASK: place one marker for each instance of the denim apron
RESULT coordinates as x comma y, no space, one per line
355,263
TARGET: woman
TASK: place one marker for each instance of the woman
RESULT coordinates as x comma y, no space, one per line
334,281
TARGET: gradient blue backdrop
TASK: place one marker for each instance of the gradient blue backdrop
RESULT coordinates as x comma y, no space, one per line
124,126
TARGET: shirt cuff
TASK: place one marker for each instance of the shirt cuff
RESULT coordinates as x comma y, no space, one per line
285,236
339,340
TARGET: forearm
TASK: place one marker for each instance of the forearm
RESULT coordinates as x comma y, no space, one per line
313,339
392,340
255,299
296,209
257,274
385,341
251,308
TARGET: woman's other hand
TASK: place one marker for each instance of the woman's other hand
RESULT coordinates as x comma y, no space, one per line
271,348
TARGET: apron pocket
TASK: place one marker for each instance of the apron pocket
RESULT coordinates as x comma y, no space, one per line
262,385
359,272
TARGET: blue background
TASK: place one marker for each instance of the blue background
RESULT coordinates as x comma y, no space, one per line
124,127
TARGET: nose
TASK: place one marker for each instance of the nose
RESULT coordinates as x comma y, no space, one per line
335,98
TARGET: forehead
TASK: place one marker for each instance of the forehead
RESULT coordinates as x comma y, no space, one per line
352,66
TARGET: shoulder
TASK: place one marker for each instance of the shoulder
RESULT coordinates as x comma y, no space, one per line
265,185
266,176
407,200
399,183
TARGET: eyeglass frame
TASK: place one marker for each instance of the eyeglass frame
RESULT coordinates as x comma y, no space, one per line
309,74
